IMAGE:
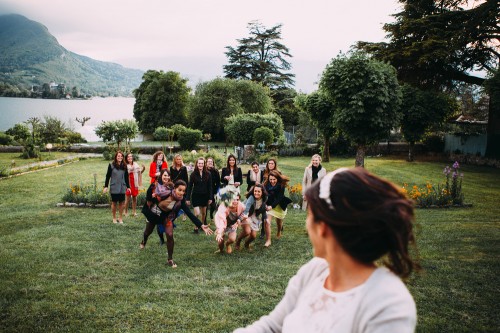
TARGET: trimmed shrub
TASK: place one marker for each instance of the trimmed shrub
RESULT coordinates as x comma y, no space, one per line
263,134
189,139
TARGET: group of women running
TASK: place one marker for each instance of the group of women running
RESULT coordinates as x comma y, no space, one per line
172,191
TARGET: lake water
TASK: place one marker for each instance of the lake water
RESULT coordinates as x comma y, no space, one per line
18,110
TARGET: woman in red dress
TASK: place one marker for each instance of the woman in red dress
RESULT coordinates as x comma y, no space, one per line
135,180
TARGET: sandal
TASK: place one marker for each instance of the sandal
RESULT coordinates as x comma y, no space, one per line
171,263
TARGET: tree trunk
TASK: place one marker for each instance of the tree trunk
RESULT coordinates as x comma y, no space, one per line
326,149
493,127
360,156
411,145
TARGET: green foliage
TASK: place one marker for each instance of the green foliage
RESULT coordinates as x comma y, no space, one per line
52,129
263,134
5,139
367,98
215,101
422,109
265,157
239,129
73,137
88,194
189,138
321,111
20,132
161,100
261,57
161,134
117,131
285,107
434,44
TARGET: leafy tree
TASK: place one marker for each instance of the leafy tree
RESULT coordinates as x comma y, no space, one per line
284,106
75,93
20,132
35,126
436,44
260,57
117,131
215,101
161,100
366,95
421,110
263,134
321,110
240,128
52,129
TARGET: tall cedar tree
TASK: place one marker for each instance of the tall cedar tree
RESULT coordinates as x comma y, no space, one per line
261,57
436,43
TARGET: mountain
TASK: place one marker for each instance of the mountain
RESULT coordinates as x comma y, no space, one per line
30,55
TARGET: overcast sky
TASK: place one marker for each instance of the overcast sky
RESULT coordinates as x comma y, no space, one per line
190,36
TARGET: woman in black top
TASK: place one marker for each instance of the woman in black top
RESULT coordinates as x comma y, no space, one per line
200,189
254,176
215,184
178,170
231,174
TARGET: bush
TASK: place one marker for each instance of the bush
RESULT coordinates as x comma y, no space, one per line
239,129
189,138
5,139
263,134
161,134
88,194
74,137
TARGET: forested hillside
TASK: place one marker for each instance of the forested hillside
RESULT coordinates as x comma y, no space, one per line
30,55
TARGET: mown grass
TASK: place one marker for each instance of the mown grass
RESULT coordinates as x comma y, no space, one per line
70,269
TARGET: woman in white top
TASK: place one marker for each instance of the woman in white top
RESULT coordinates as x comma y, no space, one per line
354,220
312,172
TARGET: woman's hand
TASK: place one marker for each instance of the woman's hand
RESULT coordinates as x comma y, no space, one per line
104,190
209,202
188,202
207,230
219,237
237,184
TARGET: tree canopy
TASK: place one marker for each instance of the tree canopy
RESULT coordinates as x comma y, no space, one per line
436,43
261,57
161,100
421,110
215,101
321,110
366,95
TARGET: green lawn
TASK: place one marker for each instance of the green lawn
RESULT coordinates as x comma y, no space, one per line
70,269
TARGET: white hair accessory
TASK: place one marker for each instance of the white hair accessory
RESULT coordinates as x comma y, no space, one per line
324,187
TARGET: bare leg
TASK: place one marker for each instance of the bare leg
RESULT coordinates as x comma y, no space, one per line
147,231
127,200
203,211
121,205
245,231
113,210
134,206
279,223
268,231
230,240
250,239
169,231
